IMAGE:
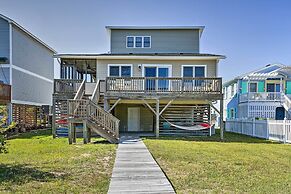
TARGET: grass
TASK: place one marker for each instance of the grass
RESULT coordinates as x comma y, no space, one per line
240,164
37,163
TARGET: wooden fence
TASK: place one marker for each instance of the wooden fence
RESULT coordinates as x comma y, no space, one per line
277,130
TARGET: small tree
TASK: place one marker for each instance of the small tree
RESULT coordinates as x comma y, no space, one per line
3,128
3,148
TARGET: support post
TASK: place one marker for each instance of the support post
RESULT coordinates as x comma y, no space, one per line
284,130
54,133
85,133
158,118
70,133
74,132
221,120
89,134
9,109
106,104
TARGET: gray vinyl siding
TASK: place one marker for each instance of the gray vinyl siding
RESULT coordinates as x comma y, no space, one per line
102,66
5,75
31,55
4,38
162,41
30,88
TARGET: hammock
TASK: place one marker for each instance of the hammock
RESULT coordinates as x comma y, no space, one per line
190,128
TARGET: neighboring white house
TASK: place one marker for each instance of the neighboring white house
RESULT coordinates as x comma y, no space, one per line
27,65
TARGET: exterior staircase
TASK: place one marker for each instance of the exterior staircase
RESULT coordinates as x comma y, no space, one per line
63,90
85,108
286,103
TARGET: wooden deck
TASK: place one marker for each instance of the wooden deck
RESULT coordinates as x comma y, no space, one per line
135,170
5,93
153,87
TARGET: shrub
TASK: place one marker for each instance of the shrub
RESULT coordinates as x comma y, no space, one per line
3,148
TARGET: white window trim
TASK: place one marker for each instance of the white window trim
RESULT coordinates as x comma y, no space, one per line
142,42
157,65
205,68
119,65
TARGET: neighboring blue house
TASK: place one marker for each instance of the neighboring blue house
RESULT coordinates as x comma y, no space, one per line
263,93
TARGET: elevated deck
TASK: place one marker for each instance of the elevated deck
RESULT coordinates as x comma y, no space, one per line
160,87
5,93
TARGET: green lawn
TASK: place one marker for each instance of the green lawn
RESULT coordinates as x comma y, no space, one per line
36,163
239,165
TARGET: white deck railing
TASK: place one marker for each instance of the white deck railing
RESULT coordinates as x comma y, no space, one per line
260,96
164,85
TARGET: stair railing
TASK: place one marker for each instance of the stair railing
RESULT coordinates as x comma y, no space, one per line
79,95
96,93
98,115
81,91
287,101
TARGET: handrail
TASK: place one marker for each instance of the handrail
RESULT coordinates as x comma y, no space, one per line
80,91
96,92
87,109
66,85
104,118
164,85
287,101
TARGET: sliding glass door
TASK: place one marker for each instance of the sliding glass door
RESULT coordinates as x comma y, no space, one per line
153,72
150,72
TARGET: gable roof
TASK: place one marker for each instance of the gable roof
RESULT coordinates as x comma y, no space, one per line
27,32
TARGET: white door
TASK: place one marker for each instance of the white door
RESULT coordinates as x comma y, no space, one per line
133,118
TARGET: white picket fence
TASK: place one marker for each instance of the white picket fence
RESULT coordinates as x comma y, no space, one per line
278,130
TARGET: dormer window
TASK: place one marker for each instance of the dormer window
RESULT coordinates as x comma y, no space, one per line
138,42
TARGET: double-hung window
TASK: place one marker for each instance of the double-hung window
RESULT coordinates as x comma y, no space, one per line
119,70
191,71
138,42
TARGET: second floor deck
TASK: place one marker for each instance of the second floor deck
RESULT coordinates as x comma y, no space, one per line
151,87
260,97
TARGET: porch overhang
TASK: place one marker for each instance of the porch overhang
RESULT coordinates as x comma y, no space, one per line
142,56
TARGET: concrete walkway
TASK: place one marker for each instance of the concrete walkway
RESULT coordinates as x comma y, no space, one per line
135,170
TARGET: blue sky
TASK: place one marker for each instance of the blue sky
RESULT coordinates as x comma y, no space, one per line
251,33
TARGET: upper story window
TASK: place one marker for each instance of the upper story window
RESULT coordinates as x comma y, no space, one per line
253,87
130,42
119,70
138,42
194,71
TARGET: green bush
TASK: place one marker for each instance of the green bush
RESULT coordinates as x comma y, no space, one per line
3,148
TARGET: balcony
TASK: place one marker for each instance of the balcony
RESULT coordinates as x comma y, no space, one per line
260,96
164,87
5,93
